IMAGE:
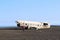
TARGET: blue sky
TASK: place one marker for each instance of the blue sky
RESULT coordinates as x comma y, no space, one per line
34,10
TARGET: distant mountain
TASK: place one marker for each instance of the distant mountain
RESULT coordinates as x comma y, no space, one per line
16,28
55,25
9,28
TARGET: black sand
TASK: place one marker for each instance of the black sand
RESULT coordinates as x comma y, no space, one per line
44,34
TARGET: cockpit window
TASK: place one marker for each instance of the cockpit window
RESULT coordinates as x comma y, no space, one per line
25,23
18,24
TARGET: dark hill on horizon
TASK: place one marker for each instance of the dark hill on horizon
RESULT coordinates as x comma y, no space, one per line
16,28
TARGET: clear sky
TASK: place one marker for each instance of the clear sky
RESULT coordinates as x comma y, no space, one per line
34,10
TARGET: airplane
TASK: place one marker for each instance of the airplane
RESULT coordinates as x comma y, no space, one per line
32,25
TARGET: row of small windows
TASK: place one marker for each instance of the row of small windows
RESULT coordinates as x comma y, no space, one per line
31,24
35,24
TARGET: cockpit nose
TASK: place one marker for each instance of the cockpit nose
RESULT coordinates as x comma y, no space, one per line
18,25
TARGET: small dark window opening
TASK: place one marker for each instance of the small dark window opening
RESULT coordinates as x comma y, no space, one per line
25,23
45,24
37,25
18,24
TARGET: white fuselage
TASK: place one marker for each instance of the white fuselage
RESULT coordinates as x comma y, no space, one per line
37,25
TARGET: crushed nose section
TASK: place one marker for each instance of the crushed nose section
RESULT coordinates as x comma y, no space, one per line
18,25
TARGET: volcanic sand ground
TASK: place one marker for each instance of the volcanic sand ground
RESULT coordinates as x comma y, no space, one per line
42,34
